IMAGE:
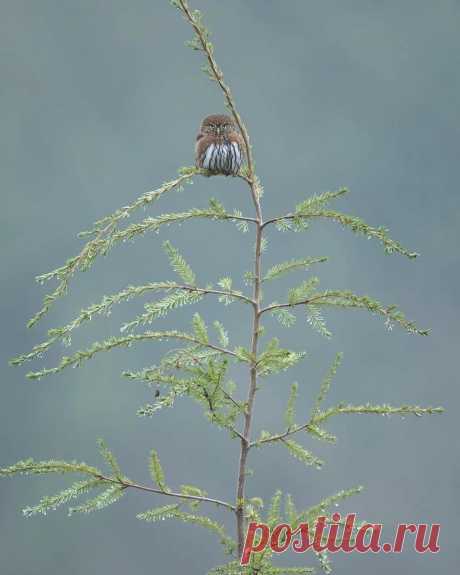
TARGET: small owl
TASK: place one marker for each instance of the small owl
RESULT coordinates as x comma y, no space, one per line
219,146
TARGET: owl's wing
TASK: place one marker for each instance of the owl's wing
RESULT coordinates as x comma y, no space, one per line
238,138
202,142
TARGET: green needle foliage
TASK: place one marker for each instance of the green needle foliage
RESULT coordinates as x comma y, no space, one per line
199,368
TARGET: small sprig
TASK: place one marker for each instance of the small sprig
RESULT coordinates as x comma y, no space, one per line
302,454
174,512
106,234
156,471
113,486
305,295
275,359
284,268
326,384
383,409
289,416
79,357
179,265
314,207
310,514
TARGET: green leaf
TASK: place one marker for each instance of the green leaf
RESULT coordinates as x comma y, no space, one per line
179,265
316,320
320,509
156,471
173,512
159,513
324,561
314,203
283,268
192,490
52,502
358,226
31,467
291,570
326,384
104,499
199,328
110,459
242,225
149,409
106,233
223,335
275,359
195,491
218,208
347,299
285,317
320,433
226,284
162,307
368,408
274,511
290,511
104,307
79,357
248,278
244,354
286,224
289,416
257,502
302,292
202,521
232,568
263,244
302,454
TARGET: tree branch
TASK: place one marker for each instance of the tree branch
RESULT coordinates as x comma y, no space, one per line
322,416
280,436
281,305
205,291
126,484
102,229
109,344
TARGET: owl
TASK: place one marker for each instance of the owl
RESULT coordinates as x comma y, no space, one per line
219,146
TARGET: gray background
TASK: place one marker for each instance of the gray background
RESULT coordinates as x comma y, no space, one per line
100,101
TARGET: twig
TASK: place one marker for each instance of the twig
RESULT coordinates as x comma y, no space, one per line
205,291
281,436
287,304
203,499
278,219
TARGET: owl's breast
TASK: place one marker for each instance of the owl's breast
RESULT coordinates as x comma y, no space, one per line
223,157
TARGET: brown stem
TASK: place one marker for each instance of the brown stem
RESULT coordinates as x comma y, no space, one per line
125,484
302,302
281,436
245,442
254,186
204,291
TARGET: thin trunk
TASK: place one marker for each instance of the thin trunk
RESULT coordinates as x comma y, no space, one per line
245,441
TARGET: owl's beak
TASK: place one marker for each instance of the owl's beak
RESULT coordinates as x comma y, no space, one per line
218,130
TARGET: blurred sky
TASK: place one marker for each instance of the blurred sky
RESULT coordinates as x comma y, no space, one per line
100,102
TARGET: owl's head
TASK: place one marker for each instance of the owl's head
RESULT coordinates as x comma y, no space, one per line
218,125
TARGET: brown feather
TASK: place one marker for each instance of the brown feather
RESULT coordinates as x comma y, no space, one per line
219,130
